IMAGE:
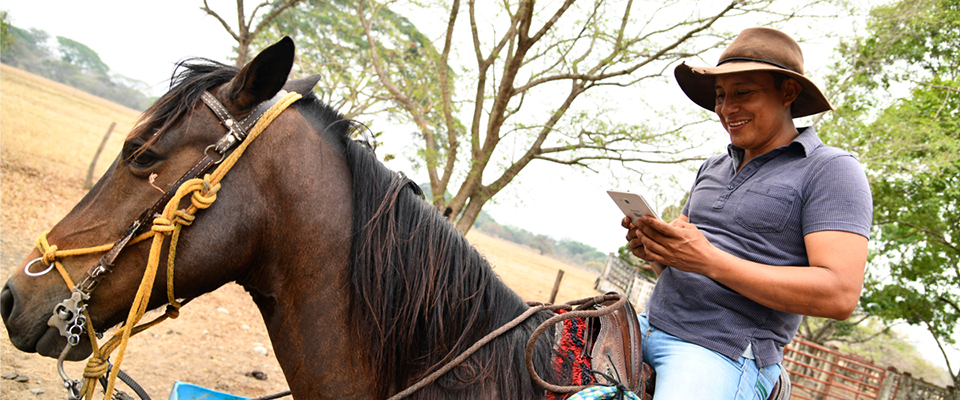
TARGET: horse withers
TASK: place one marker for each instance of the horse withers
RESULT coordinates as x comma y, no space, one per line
364,287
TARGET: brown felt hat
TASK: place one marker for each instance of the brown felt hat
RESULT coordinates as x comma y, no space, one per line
755,49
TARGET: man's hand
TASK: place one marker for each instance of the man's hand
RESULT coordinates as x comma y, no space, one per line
636,246
678,244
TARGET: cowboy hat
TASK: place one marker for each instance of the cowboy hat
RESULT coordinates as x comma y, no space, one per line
755,49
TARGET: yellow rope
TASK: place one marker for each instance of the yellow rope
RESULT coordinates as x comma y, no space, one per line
203,193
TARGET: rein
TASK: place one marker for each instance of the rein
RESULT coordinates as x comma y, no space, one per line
71,316
585,309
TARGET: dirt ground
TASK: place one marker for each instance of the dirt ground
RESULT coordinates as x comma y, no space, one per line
219,341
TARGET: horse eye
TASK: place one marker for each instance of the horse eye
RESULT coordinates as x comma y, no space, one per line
143,159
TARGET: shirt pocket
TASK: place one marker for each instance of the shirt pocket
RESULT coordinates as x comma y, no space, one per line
765,208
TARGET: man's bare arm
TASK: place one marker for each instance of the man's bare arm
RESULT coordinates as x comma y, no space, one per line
829,287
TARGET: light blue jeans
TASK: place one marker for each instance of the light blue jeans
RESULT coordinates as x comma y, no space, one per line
687,371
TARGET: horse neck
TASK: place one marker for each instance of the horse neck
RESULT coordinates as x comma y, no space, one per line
299,281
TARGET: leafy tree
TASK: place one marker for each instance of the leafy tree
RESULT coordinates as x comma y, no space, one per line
331,42
4,30
246,31
78,66
25,49
76,53
910,145
531,81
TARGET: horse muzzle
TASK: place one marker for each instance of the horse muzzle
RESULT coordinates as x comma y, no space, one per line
26,313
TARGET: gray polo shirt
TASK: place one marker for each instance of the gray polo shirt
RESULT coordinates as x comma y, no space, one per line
761,214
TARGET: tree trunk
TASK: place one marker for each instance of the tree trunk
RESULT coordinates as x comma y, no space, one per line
242,51
470,213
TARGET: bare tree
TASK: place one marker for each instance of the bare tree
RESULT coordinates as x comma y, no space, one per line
243,35
541,60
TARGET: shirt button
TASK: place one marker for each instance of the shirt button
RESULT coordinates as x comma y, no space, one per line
729,187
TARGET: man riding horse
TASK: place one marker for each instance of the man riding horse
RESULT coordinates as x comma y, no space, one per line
774,229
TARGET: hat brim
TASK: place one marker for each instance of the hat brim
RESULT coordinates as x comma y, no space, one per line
698,83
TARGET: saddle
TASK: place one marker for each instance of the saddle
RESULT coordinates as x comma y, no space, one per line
614,342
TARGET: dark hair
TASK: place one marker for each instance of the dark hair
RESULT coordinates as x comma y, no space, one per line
778,79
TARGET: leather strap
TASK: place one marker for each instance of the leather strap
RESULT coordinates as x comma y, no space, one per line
236,133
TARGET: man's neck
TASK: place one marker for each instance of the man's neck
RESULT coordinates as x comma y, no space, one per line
786,135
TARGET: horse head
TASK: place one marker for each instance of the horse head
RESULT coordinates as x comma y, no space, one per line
227,242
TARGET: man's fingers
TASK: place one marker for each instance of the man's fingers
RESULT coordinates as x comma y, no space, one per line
657,229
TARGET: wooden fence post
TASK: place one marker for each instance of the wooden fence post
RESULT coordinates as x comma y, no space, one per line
905,391
88,183
886,385
556,287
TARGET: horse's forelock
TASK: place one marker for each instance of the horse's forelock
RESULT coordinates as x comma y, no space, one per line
191,77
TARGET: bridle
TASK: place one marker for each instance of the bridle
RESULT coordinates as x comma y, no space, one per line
165,219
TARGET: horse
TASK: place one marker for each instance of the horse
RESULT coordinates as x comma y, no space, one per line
364,287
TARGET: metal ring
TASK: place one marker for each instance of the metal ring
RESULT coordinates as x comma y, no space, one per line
214,147
26,270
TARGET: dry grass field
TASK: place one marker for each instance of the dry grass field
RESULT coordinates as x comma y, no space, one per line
48,135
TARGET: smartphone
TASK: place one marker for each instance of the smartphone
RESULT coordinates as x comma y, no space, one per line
633,205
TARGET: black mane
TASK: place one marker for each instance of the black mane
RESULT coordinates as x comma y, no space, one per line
190,79
423,294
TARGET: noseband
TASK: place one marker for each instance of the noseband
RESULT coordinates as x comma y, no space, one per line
164,217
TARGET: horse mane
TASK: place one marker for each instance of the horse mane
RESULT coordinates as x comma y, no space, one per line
191,77
420,293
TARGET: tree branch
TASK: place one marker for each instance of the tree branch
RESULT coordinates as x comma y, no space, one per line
226,26
446,104
418,116
628,70
273,14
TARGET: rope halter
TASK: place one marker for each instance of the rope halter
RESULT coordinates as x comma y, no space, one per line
72,316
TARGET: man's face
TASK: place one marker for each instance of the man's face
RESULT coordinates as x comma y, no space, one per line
753,110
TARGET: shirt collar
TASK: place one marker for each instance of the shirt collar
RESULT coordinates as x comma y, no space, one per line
806,142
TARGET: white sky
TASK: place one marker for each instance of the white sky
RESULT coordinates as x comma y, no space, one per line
143,40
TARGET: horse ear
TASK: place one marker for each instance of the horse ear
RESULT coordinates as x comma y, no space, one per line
263,77
302,85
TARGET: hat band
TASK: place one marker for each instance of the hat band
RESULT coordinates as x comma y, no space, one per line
754,60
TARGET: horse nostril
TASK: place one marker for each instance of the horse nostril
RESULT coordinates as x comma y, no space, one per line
7,300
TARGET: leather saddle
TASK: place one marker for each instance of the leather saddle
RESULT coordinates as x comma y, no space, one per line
614,342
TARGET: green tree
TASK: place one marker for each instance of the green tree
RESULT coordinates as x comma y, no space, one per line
331,42
899,112
76,53
25,49
78,66
4,30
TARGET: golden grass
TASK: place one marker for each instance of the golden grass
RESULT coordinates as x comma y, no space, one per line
531,274
55,128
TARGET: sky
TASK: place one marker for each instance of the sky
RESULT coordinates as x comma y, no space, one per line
144,40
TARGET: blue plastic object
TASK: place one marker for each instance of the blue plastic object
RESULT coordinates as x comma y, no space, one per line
189,391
